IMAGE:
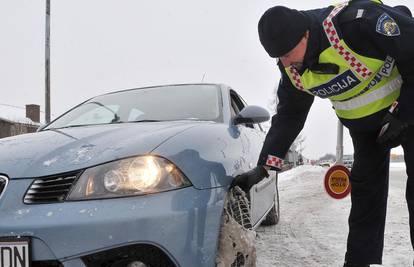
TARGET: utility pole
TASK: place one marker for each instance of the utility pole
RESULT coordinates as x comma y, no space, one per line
47,63
340,144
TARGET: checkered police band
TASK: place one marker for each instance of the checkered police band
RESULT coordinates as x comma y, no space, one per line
273,161
332,35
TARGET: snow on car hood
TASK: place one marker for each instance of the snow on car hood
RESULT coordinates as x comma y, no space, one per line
64,150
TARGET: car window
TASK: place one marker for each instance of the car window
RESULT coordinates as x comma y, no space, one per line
165,103
233,108
233,111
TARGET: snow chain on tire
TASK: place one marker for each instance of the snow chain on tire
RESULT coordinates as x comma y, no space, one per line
237,239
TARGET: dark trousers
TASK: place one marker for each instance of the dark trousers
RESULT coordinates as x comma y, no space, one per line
369,182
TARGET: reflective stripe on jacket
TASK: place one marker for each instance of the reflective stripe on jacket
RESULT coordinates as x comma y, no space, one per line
362,86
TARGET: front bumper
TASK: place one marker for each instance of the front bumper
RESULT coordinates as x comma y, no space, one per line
183,223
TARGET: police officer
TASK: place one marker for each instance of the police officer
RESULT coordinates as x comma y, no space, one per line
359,55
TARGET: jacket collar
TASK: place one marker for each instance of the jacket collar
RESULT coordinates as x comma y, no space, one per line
313,48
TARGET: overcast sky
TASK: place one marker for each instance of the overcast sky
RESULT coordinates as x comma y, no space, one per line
100,46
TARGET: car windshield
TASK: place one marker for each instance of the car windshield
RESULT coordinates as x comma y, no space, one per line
165,103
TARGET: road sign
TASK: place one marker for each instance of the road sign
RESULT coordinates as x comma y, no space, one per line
337,183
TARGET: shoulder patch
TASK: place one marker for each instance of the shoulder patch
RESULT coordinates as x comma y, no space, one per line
387,26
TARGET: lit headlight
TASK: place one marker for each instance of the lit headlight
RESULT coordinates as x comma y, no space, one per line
133,176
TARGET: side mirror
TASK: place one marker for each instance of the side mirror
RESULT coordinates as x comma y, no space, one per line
252,114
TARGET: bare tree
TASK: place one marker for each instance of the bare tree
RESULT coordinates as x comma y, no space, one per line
299,141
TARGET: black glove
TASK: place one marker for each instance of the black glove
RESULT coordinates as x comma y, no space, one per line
246,180
393,132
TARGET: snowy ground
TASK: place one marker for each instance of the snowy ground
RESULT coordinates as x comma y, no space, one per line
313,227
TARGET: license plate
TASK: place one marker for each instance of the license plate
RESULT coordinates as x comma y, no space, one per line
14,252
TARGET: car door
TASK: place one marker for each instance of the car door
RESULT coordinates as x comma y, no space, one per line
262,195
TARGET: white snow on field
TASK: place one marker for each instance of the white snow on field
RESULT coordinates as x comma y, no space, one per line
313,227
300,171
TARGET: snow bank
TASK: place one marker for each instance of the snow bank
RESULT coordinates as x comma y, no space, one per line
397,165
301,171
313,227
306,170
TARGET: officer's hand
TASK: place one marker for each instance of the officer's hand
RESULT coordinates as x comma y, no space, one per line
246,180
392,132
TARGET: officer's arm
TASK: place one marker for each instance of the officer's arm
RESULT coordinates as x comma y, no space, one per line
396,40
292,110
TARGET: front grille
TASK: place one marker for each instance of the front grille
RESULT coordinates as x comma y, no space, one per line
3,184
50,189
131,255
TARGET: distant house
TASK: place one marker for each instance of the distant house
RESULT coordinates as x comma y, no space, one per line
15,121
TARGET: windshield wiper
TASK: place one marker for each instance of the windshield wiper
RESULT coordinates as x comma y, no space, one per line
71,126
94,124
188,119
145,121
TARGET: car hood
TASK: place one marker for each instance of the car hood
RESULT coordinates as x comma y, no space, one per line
64,150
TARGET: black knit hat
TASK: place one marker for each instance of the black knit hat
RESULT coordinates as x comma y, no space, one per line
404,10
281,29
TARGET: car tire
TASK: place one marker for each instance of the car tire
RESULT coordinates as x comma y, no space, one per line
272,218
236,244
